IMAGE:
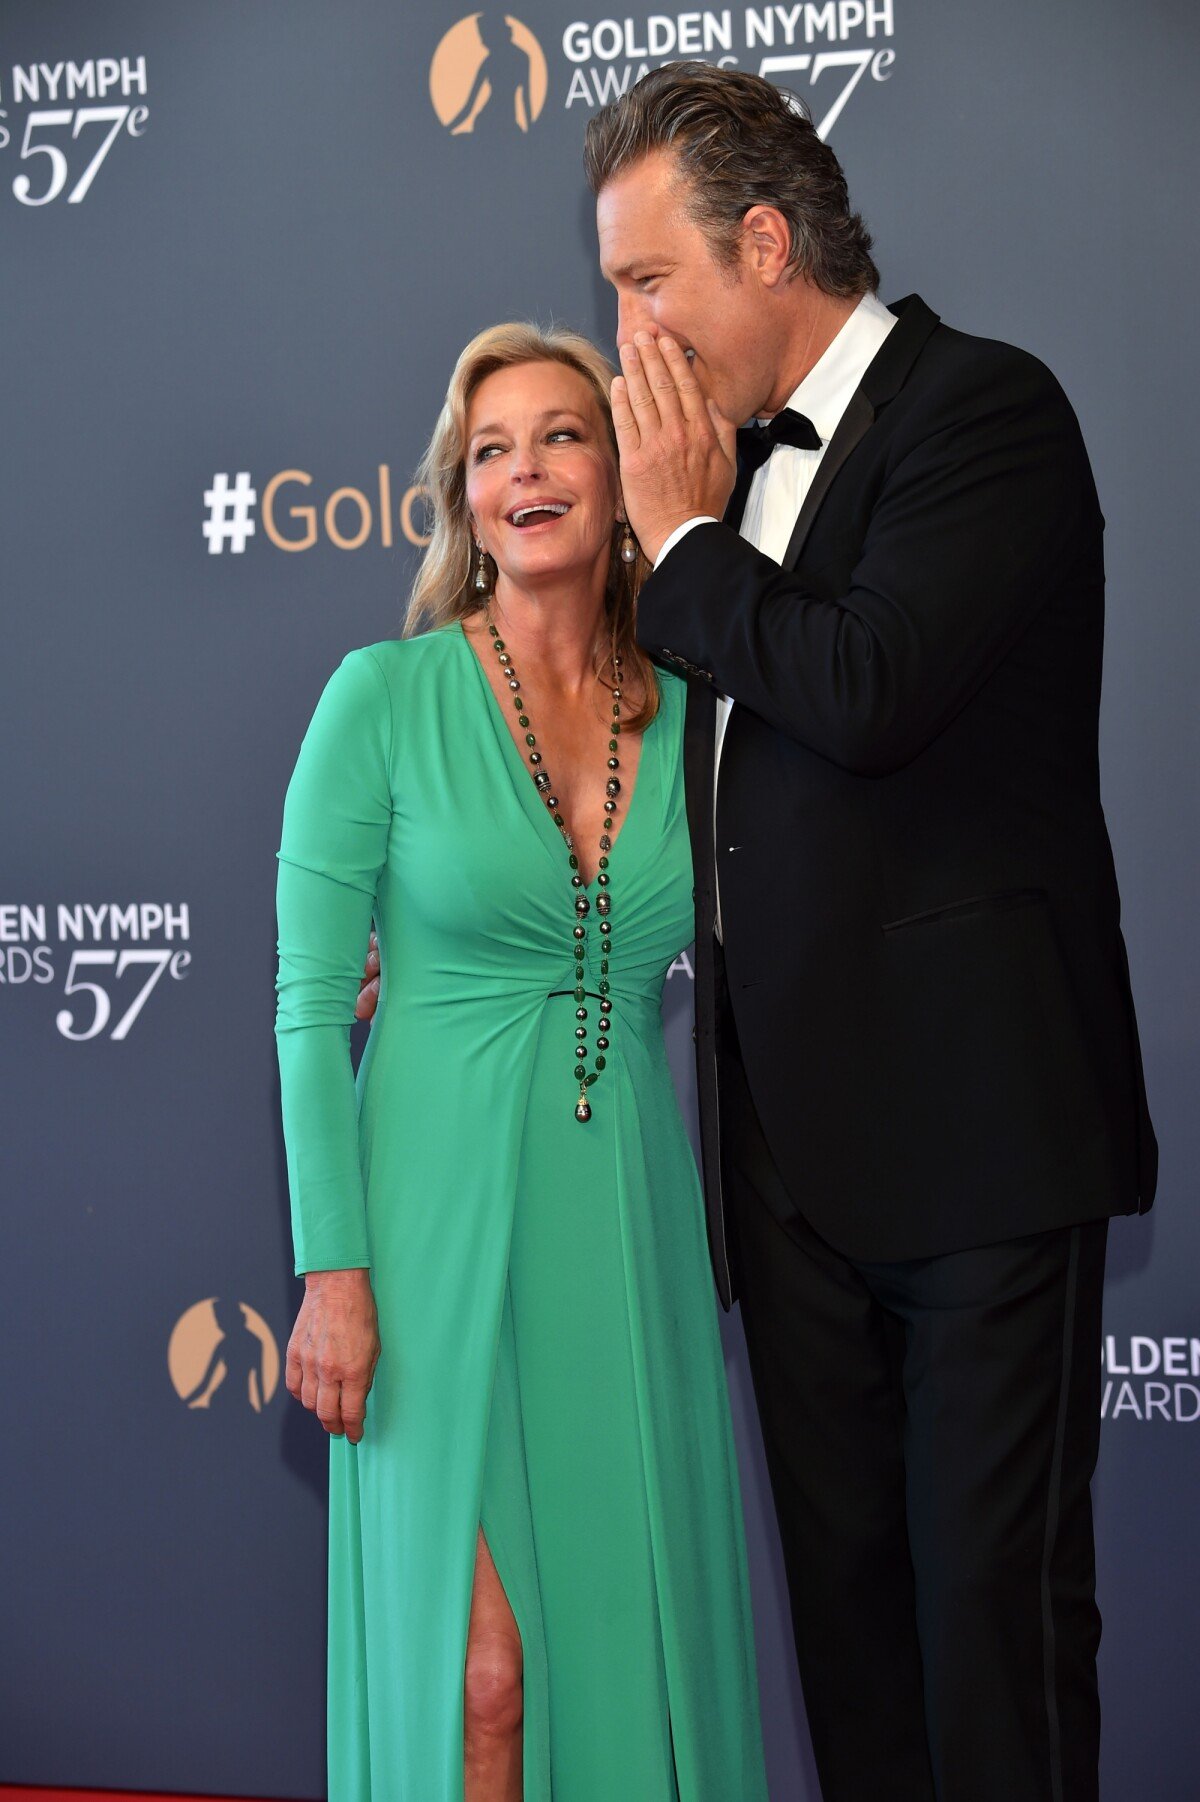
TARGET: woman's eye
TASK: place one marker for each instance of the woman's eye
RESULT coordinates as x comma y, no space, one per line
484,452
565,432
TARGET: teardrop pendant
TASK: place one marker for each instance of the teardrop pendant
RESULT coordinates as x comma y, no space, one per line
583,1109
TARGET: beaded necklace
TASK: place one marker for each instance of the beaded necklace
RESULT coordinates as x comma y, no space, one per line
582,906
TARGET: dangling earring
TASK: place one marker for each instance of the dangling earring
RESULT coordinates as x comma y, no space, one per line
629,545
483,584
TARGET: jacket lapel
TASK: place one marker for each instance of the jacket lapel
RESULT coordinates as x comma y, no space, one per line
884,378
855,422
732,515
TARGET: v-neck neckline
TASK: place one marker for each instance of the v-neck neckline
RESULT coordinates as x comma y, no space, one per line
531,800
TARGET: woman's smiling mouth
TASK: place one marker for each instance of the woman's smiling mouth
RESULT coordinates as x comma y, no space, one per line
536,513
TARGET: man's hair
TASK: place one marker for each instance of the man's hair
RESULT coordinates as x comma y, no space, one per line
739,142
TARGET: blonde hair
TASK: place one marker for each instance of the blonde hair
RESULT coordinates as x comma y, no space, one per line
444,589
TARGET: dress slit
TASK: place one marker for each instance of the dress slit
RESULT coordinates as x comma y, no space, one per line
505,1519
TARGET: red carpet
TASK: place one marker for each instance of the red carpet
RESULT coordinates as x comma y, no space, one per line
11,1793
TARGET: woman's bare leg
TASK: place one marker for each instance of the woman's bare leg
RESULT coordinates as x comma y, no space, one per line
492,1690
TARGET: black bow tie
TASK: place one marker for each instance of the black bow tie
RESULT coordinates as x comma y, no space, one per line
756,442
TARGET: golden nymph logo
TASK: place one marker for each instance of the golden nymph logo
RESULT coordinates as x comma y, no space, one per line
487,75
223,1354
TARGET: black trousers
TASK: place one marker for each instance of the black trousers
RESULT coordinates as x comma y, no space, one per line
931,1430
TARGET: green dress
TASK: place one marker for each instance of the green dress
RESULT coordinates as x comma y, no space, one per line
551,1365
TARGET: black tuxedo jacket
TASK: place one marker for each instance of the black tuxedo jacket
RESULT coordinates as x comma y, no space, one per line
919,906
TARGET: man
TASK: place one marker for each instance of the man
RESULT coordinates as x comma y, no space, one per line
920,1085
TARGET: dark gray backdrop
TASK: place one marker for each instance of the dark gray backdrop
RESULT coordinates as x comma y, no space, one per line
272,269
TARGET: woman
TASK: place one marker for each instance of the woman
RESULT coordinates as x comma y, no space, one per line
538,1582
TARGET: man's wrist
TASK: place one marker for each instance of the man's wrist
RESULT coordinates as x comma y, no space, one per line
681,531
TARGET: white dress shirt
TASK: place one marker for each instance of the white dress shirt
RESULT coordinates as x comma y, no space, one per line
778,489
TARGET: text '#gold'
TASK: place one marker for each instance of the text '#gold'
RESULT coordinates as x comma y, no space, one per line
348,516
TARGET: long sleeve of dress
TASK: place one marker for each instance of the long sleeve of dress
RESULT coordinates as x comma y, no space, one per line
336,821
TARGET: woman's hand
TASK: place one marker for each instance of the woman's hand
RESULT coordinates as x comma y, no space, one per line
334,1348
368,992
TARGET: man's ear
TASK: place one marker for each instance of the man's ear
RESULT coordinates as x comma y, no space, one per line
767,244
